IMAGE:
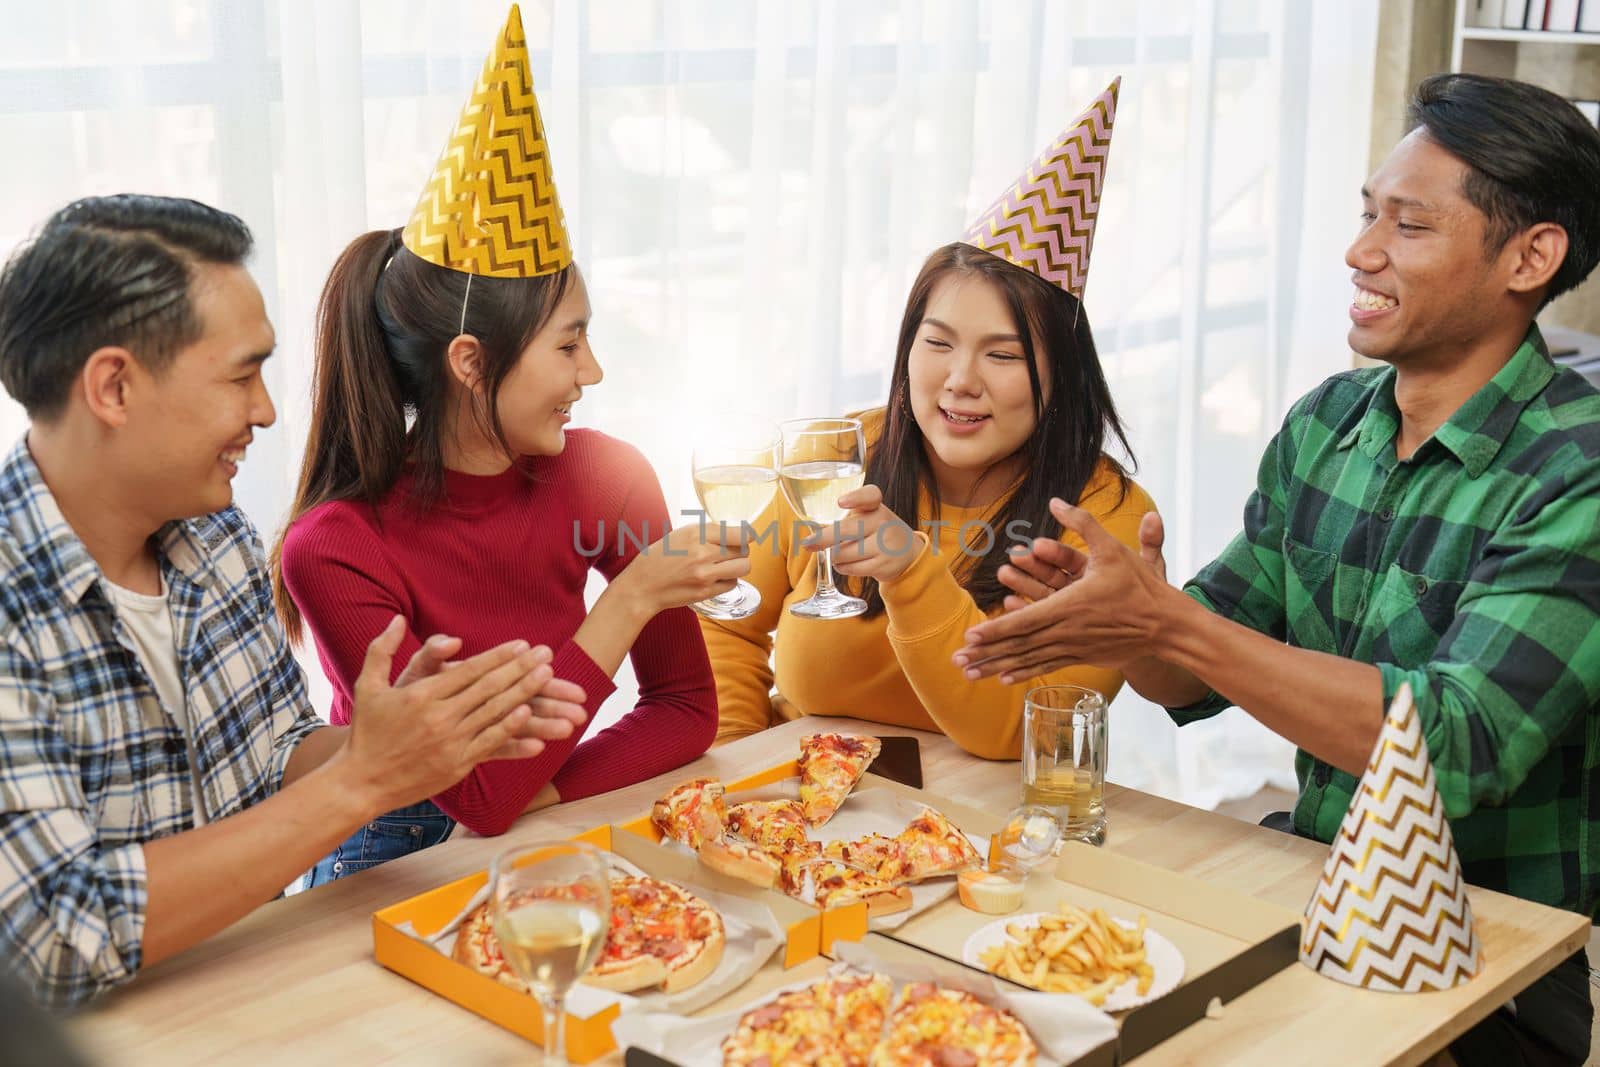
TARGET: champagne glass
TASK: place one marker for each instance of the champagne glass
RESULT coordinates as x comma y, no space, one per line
821,460
551,903
735,484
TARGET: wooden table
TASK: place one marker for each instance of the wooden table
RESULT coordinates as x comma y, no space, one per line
296,983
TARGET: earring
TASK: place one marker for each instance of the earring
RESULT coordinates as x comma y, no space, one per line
905,397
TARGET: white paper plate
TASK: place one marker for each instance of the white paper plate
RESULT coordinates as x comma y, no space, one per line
1163,956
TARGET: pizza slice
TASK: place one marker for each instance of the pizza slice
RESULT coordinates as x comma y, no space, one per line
932,1026
830,766
793,864
833,885
791,1028
834,1022
741,860
933,846
880,855
858,1005
686,812
774,825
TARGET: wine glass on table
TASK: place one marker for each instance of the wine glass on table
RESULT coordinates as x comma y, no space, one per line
821,460
551,903
735,483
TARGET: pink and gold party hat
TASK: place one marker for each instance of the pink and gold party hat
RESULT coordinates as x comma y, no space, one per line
1045,222
490,207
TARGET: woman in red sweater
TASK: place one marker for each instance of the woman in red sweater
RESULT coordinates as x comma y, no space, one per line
440,484
483,522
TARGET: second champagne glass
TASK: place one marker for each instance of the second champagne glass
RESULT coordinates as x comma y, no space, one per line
551,903
735,484
822,459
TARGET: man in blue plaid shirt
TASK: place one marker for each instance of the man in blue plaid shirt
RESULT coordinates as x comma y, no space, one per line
161,772
1433,522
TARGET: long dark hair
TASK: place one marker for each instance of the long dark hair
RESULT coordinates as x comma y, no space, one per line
384,323
1067,443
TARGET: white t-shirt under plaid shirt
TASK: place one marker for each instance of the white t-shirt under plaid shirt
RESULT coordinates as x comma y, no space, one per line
91,766
148,622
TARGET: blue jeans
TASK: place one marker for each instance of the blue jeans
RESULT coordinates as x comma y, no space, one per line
388,837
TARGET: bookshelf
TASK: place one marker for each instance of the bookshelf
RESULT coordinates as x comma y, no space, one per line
1565,63
1484,33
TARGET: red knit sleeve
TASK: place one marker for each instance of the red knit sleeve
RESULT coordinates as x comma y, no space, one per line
675,718
347,589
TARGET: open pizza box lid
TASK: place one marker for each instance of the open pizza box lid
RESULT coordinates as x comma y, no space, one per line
400,933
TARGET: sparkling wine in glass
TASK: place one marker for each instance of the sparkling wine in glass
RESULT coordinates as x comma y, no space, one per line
821,460
735,485
551,903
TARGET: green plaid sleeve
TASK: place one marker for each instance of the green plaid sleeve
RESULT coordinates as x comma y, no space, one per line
1518,671
1245,583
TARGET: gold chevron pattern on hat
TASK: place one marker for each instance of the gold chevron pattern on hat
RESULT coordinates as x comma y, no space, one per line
490,207
1391,911
1045,222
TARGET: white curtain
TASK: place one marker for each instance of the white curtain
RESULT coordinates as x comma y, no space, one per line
751,187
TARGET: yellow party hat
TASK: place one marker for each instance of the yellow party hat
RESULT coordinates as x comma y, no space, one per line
491,206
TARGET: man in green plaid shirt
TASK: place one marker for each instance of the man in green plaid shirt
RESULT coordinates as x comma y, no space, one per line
1434,521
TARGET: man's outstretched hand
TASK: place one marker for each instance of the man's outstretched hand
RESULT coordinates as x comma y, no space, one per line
1102,606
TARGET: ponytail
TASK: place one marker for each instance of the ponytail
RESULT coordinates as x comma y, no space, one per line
357,442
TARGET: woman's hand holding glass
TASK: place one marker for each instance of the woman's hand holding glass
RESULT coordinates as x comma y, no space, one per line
821,460
689,564
735,484
870,541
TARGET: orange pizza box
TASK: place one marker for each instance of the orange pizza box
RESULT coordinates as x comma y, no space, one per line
401,931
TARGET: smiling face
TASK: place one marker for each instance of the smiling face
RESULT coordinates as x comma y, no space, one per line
535,400
1425,286
968,381
188,425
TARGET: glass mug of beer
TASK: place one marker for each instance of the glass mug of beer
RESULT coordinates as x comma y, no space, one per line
1064,758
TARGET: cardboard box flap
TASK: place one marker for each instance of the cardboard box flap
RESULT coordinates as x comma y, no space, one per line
1148,1025
1158,890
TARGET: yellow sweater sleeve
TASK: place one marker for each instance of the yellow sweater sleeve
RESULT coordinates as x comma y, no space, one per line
929,614
741,649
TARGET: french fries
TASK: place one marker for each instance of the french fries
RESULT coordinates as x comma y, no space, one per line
1075,951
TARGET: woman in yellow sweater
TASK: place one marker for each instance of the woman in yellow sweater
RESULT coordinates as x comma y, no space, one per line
997,403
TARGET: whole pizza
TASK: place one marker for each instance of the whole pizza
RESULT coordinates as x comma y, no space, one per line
661,936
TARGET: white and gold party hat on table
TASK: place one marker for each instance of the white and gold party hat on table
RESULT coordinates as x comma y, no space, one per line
1390,911
490,207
